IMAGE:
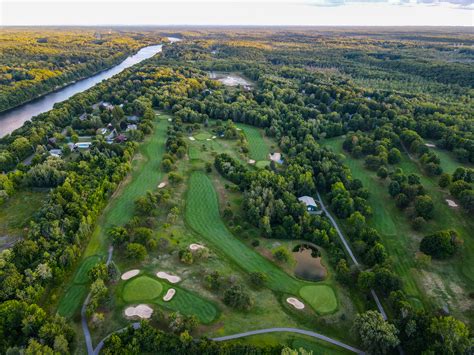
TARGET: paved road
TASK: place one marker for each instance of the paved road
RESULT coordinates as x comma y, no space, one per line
85,327
290,330
349,251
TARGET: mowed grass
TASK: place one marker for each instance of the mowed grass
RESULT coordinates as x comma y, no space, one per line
147,289
71,300
447,160
141,288
320,297
202,136
259,148
202,215
145,175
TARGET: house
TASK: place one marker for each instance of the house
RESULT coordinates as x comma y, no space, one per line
131,127
107,106
311,205
83,117
120,138
133,118
56,153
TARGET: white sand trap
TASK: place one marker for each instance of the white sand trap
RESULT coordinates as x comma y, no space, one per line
195,246
169,120
169,295
451,203
171,278
129,274
251,161
208,139
238,129
214,137
275,157
295,302
430,145
142,311
192,138
161,185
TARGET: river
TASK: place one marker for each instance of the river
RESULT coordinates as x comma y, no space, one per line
16,117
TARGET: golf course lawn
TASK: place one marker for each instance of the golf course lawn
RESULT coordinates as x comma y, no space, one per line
202,136
202,215
401,240
141,288
259,148
148,289
145,175
320,297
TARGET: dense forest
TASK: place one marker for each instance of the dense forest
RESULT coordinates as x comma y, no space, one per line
390,101
33,63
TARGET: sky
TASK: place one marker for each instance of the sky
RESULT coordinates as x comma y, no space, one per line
243,12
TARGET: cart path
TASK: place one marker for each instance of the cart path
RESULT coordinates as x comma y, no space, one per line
351,254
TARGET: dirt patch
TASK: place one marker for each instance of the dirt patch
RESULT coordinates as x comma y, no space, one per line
129,274
169,295
295,302
142,311
171,278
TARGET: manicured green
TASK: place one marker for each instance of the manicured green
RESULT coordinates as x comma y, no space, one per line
141,288
320,297
202,136
258,147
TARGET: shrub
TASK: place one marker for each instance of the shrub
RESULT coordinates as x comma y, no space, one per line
440,245
237,297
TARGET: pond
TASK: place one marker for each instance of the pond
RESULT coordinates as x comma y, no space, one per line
308,263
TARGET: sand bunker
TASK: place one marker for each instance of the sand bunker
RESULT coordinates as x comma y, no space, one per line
208,139
214,137
451,203
275,157
161,185
171,278
142,311
430,145
129,274
192,138
195,246
295,302
251,161
169,295
169,119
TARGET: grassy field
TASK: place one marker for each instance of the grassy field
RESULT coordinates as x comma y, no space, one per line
145,175
259,147
442,282
16,213
447,160
202,214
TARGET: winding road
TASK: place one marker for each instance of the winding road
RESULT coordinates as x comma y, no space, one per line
351,254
